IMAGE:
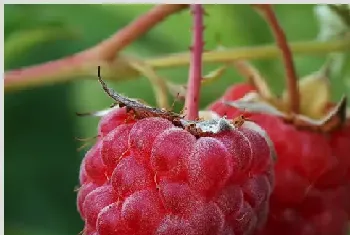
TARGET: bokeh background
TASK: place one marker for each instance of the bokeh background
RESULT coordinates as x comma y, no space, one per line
41,157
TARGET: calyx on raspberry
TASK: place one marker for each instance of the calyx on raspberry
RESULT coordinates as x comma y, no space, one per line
317,112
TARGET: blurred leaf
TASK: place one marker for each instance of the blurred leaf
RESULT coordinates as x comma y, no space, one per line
21,41
332,20
343,11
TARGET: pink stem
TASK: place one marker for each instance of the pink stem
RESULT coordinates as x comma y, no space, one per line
138,27
195,73
106,51
281,40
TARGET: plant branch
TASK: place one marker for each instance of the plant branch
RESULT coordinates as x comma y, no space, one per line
137,28
81,64
195,73
281,41
120,69
251,53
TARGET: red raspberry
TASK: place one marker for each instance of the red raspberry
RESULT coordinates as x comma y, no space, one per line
151,176
311,194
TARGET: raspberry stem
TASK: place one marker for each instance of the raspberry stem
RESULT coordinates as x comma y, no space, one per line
195,72
104,53
137,28
281,41
268,51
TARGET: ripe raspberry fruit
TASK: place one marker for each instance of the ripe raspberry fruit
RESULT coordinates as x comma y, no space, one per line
153,172
312,170
154,175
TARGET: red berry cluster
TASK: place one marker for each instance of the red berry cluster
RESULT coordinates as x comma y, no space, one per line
312,189
148,176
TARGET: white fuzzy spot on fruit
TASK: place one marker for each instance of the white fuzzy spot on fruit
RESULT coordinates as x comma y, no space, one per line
216,125
255,127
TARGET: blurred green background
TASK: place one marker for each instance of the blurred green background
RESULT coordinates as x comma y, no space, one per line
41,157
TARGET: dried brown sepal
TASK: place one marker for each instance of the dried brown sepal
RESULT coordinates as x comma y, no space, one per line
333,120
253,102
141,110
144,111
239,121
198,128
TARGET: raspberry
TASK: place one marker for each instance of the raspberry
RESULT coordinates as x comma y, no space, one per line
154,176
312,174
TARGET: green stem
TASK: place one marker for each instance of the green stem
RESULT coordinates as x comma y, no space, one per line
85,68
251,53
